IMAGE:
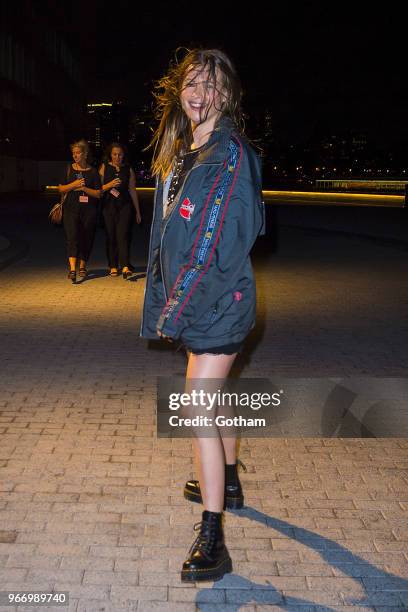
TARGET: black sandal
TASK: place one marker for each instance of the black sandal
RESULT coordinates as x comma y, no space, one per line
72,276
83,272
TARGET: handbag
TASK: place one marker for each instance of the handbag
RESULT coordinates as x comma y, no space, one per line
55,214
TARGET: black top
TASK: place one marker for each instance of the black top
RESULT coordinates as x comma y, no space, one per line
92,181
183,165
111,173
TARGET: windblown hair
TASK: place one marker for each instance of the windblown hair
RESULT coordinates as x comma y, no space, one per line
84,146
108,152
174,133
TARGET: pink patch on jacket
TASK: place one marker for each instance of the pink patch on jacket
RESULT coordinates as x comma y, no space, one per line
186,209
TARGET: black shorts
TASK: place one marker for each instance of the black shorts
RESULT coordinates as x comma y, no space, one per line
226,349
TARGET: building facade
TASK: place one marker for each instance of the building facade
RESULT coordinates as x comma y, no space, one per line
41,104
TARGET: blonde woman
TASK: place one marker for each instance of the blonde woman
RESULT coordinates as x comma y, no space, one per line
82,186
200,287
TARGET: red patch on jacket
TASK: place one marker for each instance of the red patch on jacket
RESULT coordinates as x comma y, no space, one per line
237,296
186,209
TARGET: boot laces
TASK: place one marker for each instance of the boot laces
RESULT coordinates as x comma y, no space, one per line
205,540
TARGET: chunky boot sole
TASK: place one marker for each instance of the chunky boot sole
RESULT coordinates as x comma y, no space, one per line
232,503
215,573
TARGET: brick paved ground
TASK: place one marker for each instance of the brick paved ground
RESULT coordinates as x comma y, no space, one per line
91,501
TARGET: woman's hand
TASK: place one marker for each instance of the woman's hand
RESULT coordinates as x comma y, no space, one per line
138,217
78,184
114,183
163,336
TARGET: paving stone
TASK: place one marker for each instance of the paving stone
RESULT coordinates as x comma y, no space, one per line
67,576
141,593
203,595
104,578
304,569
33,560
146,606
99,606
297,599
262,596
374,599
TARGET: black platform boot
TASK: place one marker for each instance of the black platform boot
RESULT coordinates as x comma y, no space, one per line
208,557
234,497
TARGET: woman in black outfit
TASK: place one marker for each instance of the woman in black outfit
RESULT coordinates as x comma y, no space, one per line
120,199
81,184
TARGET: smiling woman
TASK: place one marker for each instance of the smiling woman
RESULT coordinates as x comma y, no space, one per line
205,86
201,99
200,287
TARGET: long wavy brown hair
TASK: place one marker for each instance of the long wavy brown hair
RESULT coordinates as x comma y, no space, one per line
174,133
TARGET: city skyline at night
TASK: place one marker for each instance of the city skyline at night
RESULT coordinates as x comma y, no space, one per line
315,83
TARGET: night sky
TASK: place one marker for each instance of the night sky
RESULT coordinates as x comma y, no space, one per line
317,68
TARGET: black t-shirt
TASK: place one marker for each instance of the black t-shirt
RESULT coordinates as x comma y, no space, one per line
92,181
111,173
183,165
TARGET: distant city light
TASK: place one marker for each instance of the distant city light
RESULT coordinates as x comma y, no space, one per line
99,104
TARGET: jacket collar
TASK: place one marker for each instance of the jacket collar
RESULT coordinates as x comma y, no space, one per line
217,145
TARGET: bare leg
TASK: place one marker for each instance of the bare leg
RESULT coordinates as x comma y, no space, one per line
72,263
230,449
210,451
229,444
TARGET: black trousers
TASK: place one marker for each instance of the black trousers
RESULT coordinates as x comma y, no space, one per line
79,224
117,216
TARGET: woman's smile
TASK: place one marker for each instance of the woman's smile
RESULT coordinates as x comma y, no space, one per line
200,98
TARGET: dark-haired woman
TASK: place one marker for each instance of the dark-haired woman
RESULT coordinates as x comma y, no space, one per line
200,287
82,186
119,203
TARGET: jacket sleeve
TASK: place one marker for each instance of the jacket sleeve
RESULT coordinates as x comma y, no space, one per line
231,221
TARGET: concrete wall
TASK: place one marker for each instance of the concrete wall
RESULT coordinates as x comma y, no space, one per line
387,223
18,174
51,172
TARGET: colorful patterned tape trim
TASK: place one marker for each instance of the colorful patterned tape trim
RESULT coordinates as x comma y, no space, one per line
187,280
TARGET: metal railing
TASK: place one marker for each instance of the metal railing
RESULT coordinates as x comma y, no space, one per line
315,198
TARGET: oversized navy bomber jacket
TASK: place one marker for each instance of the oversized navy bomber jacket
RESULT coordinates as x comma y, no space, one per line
200,286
